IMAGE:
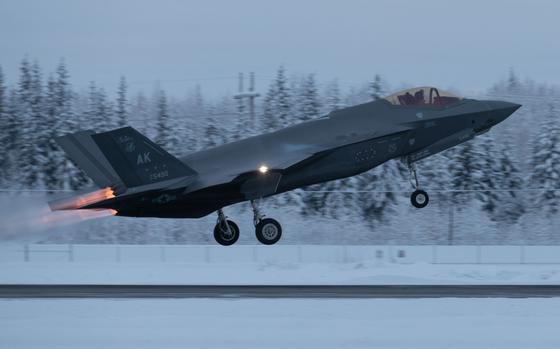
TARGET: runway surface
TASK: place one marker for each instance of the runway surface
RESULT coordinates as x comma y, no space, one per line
287,291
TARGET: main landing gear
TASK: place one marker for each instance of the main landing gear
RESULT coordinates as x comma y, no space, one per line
267,230
226,232
419,198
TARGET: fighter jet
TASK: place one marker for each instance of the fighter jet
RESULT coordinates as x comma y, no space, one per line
140,179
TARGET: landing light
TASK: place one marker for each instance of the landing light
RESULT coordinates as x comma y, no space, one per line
263,169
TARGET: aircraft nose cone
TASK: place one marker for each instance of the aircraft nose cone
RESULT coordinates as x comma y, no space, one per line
503,106
501,110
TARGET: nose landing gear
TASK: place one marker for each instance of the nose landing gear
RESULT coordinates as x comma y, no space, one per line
419,198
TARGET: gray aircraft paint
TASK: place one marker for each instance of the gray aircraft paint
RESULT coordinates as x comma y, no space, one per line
344,143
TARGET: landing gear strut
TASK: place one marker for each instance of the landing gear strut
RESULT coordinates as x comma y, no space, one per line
267,230
226,232
419,198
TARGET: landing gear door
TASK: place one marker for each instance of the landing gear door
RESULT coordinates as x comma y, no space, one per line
261,185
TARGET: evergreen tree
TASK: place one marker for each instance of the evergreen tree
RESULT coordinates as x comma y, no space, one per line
270,123
277,103
463,171
378,189
91,117
242,127
67,119
4,133
332,97
513,83
213,133
29,89
122,103
309,105
545,163
13,132
314,198
434,177
51,160
98,113
140,111
511,203
163,137
486,179
376,87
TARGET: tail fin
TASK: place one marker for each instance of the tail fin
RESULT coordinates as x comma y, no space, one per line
129,155
83,151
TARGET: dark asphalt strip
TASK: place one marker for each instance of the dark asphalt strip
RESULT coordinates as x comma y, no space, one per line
288,291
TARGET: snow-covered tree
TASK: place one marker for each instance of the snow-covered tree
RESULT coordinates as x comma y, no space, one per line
332,98
309,105
463,169
29,89
4,133
98,114
68,122
50,158
379,189
513,82
545,164
163,136
277,111
511,204
314,198
213,134
140,112
377,88
14,134
122,103
486,177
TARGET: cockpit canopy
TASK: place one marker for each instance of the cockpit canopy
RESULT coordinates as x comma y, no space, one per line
422,96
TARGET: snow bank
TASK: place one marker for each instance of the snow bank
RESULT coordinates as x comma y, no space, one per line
279,265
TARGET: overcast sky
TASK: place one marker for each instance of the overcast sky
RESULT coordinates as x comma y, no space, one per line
467,45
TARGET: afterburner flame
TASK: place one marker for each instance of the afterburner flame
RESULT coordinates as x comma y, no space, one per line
93,197
83,200
61,218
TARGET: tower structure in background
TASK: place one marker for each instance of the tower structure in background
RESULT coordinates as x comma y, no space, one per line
246,99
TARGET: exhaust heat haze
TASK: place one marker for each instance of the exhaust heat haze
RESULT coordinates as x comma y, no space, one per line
28,217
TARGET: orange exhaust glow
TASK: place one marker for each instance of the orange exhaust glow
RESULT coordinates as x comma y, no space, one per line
93,197
62,218
83,200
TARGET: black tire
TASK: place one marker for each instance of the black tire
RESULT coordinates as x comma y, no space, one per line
419,199
268,231
221,233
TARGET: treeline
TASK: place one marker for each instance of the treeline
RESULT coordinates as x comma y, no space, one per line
503,175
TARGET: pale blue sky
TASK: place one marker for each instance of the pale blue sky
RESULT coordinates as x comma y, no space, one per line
464,44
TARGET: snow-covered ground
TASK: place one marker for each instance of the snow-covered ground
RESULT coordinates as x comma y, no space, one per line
258,323
306,264
275,273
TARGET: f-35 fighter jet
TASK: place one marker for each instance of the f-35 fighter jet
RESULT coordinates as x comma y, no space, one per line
140,179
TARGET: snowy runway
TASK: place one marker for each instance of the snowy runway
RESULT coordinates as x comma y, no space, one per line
281,323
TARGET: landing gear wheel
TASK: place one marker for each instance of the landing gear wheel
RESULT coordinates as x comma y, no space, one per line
268,231
225,236
419,199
